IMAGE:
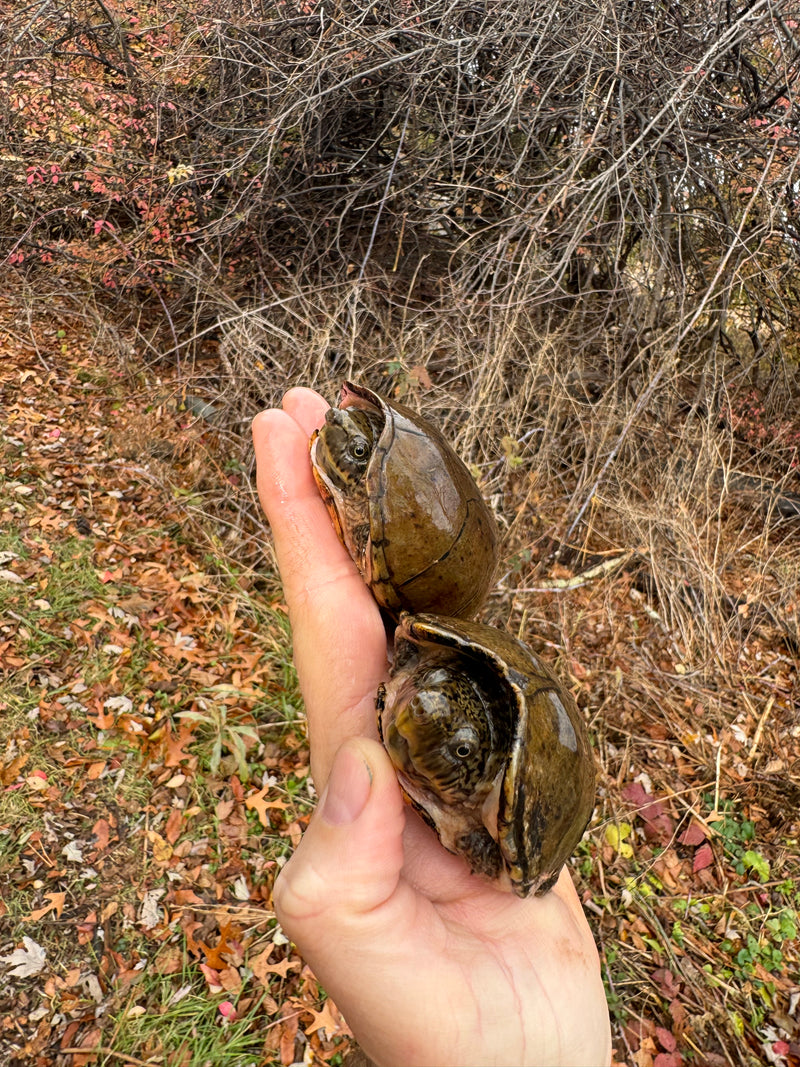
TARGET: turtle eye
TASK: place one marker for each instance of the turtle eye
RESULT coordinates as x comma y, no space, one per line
359,448
464,744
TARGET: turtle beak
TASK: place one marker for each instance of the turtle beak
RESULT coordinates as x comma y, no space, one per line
395,739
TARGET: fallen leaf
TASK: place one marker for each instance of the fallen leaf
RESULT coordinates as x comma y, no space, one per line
172,830
150,914
666,1039
228,933
261,967
230,980
615,836
665,980
175,746
56,904
86,1054
694,834
101,831
420,374
668,1059
288,1031
26,961
328,1019
658,823
259,803
73,852
703,858
212,978
162,850
678,1013
11,576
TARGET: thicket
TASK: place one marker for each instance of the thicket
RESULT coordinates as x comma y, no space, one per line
571,226
635,160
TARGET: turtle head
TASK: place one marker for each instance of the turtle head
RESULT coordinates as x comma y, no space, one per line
344,446
439,735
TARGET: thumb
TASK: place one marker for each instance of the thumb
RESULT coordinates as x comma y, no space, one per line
348,863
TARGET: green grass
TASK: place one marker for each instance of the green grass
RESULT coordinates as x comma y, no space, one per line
174,1018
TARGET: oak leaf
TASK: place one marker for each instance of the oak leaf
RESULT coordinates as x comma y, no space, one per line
259,803
328,1019
175,746
26,961
261,967
56,904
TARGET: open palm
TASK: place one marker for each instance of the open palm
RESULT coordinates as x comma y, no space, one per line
429,964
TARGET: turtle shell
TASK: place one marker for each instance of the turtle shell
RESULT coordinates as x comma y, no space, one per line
407,510
489,747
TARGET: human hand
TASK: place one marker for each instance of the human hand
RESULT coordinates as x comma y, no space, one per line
428,963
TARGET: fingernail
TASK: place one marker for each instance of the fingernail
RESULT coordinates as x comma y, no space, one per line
347,791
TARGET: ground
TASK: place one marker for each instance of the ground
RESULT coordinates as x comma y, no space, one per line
154,772
153,769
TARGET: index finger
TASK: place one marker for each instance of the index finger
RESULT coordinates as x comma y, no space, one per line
339,639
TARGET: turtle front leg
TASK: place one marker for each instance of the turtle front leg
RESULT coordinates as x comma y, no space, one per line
481,852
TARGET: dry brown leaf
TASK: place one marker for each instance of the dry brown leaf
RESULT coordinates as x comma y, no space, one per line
56,904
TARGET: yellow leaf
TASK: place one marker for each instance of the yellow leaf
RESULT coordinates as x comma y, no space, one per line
615,836
162,850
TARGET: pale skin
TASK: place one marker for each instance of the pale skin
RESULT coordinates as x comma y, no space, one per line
428,963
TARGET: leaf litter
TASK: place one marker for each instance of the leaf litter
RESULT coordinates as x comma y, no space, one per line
149,725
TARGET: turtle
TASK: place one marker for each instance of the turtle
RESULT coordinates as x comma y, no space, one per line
489,747
405,506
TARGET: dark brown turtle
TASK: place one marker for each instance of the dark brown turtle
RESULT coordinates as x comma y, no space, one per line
489,747
405,506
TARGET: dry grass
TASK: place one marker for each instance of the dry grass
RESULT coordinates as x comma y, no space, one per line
684,656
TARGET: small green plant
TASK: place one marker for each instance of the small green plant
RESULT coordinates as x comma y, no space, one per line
737,835
765,950
611,979
226,733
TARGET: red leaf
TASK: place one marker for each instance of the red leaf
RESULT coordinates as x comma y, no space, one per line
694,834
666,982
668,1059
212,978
666,1039
703,858
657,823
678,1013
